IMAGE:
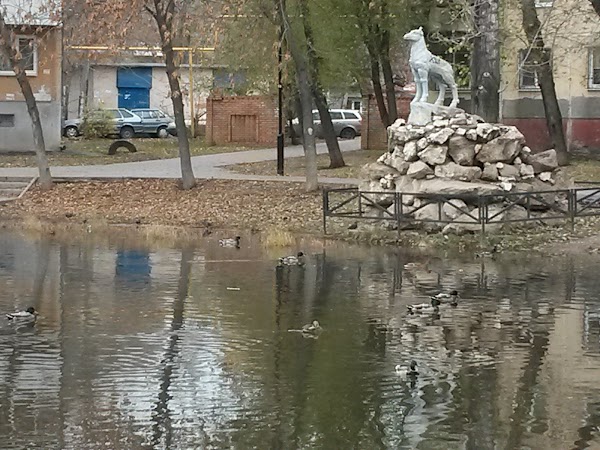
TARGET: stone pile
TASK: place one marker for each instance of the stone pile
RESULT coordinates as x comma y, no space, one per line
459,154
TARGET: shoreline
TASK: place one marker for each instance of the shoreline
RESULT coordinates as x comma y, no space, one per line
159,211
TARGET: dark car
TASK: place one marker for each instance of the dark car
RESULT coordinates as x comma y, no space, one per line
155,122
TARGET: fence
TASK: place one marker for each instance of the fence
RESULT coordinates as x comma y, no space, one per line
490,209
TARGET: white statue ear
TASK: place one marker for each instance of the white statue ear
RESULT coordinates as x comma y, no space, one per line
420,28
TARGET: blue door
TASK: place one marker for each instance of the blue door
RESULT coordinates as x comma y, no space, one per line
134,97
134,84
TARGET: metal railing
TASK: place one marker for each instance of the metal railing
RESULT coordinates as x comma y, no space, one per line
402,207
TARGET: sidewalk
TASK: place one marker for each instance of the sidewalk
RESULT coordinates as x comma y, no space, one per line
205,167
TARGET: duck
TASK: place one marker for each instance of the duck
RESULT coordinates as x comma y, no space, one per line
297,260
425,307
231,242
406,372
312,327
450,298
30,314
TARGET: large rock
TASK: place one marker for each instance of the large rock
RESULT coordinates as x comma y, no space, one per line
457,172
376,170
441,137
418,170
543,161
504,148
455,187
434,154
526,171
454,208
410,151
508,171
430,217
490,172
399,164
461,150
487,131
468,223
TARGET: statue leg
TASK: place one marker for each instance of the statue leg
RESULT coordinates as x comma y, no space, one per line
424,76
417,86
442,94
454,102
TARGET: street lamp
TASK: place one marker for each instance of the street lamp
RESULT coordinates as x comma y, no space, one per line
280,107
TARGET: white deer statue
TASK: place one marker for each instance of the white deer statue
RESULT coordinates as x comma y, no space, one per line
424,64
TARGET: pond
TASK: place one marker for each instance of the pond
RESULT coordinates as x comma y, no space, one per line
190,349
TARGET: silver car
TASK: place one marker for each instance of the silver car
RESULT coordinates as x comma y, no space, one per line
155,122
347,123
125,123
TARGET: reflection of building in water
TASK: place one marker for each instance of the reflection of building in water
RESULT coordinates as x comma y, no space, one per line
133,267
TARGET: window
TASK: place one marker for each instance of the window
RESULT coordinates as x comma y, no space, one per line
528,78
28,51
113,113
594,71
7,120
335,115
125,113
350,116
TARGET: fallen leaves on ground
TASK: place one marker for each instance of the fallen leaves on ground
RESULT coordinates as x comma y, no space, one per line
222,203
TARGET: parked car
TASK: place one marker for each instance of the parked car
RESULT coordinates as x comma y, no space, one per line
125,123
156,122
346,123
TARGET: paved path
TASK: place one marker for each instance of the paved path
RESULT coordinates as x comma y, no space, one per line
205,167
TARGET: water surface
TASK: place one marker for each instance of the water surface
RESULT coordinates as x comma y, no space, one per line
189,349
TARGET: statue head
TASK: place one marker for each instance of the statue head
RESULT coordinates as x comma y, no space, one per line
414,35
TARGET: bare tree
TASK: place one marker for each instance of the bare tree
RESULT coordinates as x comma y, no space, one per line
541,59
10,49
303,81
485,61
163,12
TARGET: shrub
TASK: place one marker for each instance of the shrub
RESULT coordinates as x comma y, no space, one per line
97,123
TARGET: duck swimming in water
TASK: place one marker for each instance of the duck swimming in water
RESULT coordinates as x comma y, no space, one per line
30,314
234,242
450,298
311,328
297,260
406,372
425,307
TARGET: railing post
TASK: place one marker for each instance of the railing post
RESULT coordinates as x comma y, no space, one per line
572,202
360,210
325,209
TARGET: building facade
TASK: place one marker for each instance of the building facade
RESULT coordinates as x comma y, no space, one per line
40,43
571,29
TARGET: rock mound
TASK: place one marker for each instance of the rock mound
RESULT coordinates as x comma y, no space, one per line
459,154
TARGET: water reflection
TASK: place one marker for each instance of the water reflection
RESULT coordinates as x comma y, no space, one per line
189,348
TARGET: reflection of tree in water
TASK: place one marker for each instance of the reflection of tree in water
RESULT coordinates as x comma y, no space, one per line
162,428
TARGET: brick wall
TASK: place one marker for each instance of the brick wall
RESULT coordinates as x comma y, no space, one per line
374,134
248,120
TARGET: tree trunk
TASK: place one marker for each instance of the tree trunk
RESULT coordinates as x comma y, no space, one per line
164,21
378,91
6,46
335,155
388,77
485,63
542,58
308,127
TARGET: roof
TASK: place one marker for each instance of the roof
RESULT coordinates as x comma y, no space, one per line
31,12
